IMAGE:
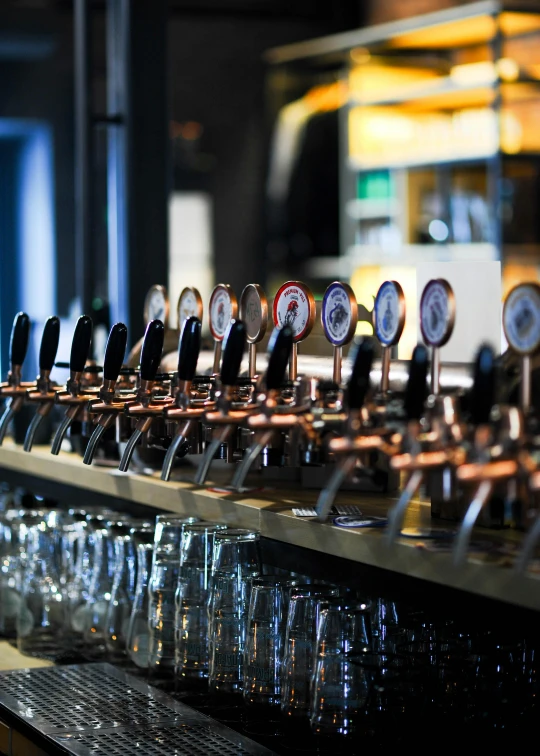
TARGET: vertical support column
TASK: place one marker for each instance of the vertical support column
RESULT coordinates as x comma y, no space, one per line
83,155
138,164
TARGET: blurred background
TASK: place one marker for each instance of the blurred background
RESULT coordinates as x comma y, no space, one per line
191,142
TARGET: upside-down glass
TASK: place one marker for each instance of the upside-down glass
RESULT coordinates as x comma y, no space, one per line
340,688
40,617
162,586
235,561
137,634
263,654
191,648
298,662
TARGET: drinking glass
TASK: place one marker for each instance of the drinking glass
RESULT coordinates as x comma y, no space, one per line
137,634
305,604
235,561
191,620
340,688
263,656
40,616
162,586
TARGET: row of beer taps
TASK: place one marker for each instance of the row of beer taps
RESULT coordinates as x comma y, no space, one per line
475,454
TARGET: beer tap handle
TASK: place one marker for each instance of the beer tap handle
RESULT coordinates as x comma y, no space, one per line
189,348
294,305
49,345
339,317
279,346
80,348
357,390
19,342
114,357
151,351
47,356
114,354
235,343
521,324
254,313
222,309
188,355
388,324
18,346
415,394
437,316
482,396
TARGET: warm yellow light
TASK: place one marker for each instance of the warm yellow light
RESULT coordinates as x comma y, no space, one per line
470,74
360,55
508,69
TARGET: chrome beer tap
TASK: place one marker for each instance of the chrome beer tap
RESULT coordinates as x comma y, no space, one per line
45,390
110,403
265,424
225,419
75,396
144,409
184,412
14,389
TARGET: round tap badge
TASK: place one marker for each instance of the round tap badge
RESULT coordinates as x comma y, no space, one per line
294,306
521,318
339,313
189,305
254,312
389,313
222,309
437,312
156,305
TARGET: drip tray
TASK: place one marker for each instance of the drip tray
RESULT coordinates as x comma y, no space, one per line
95,708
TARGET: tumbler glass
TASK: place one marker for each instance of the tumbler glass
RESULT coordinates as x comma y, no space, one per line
162,586
40,617
263,655
340,688
137,634
191,622
298,662
100,589
235,561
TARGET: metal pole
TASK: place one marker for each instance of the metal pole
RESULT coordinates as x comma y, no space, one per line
83,155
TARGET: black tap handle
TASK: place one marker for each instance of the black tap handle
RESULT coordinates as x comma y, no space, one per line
19,338
358,384
152,349
80,346
189,348
279,346
416,389
114,352
482,396
233,351
49,344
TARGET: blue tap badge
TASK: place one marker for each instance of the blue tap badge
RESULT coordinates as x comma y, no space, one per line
389,313
339,313
437,312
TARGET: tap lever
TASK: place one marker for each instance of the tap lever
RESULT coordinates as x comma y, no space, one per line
482,396
359,380
279,347
18,344
235,343
416,388
114,353
49,345
152,348
80,345
189,348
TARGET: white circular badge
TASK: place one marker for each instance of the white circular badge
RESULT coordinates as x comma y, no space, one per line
437,312
156,305
339,313
222,310
254,312
389,313
521,318
189,305
294,306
